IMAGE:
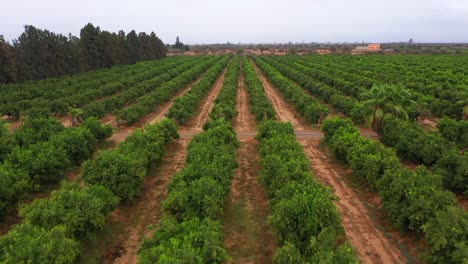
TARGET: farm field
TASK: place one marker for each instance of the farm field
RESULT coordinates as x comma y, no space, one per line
239,159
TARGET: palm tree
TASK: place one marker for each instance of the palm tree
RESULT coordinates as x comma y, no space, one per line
384,101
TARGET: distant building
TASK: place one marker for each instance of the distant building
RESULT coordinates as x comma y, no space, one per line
323,51
374,47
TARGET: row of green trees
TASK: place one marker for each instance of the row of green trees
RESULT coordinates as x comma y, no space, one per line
138,89
413,200
437,83
40,152
165,91
40,54
383,102
414,144
303,215
185,106
259,104
56,96
454,131
191,231
54,226
225,104
309,107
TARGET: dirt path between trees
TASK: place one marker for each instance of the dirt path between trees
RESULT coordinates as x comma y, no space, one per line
371,243
248,237
130,221
196,123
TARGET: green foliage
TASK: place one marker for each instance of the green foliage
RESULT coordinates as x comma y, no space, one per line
199,189
120,173
385,101
331,125
184,107
45,162
309,107
192,241
36,130
80,210
259,103
455,131
413,143
171,82
413,200
99,130
122,170
303,213
269,129
79,143
197,192
26,243
14,184
454,169
447,234
225,104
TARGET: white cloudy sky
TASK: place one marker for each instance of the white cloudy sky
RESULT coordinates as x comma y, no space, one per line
246,21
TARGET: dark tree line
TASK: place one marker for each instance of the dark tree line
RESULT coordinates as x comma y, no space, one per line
39,54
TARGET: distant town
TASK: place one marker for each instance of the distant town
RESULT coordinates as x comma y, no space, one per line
409,47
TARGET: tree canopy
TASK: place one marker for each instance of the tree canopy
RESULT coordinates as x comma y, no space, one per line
40,54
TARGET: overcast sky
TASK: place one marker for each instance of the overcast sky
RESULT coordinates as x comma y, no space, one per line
249,21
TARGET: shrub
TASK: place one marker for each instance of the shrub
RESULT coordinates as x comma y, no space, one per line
79,143
45,162
36,130
193,241
81,210
447,234
120,173
99,130
14,184
26,243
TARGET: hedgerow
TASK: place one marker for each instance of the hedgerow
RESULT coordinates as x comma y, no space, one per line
303,215
414,200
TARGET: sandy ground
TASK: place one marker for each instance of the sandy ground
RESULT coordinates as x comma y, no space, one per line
371,243
248,237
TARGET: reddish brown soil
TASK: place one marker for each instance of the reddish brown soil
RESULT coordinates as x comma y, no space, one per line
372,245
66,120
248,236
245,120
462,201
156,115
284,111
109,119
147,209
196,123
13,125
